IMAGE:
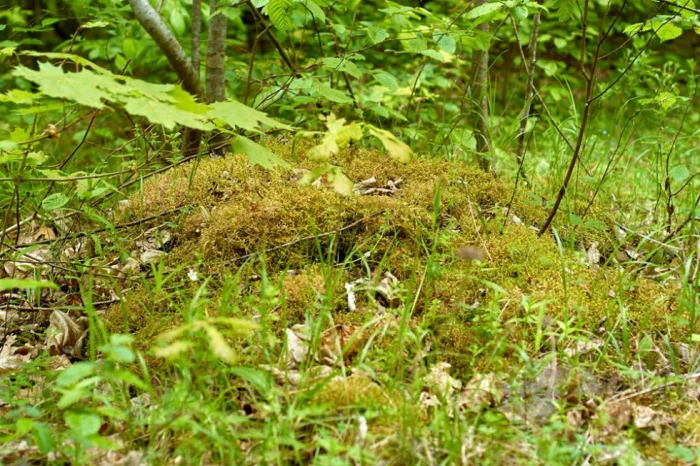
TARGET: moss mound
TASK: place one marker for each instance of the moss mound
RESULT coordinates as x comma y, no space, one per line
232,211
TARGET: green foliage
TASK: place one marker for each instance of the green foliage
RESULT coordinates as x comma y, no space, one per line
91,144
161,104
279,10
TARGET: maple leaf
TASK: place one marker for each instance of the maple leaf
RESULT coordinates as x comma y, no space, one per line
85,87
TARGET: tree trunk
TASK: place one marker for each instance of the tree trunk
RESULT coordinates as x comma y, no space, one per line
216,58
196,33
481,83
150,20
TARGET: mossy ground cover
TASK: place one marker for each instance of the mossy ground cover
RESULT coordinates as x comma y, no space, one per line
537,334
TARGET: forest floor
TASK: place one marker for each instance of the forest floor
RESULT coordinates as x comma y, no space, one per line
420,320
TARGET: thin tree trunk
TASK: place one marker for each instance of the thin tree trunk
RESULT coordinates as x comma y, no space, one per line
151,21
483,142
216,58
529,87
196,33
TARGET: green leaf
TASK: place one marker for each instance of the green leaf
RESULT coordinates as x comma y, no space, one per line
119,353
219,346
177,22
351,69
172,350
83,87
439,56
23,426
130,378
257,154
668,31
71,397
575,219
6,146
43,437
237,115
314,174
679,173
396,148
387,80
55,201
241,326
483,10
334,95
566,9
75,373
377,34
259,379
83,424
279,12
68,56
316,11
415,44
446,42
341,183
519,13
687,11
165,114
18,96
338,135
477,40
19,284
94,24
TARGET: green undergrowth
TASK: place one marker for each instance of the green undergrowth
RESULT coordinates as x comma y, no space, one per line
269,250
236,216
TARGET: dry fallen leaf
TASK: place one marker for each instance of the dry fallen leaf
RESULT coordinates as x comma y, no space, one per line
12,357
369,186
616,416
65,335
438,381
295,378
583,346
297,345
345,338
388,292
481,391
593,255
152,256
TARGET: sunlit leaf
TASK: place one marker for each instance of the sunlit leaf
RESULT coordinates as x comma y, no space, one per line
54,201
83,424
334,95
83,88
172,350
668,31
19,284
237,115
257,154
219,346
483,10
396,148
341,183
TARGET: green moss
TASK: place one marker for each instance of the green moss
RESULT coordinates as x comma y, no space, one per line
472,311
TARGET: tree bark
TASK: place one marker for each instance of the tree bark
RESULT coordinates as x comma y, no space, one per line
481,83
151,21
216,59
196,34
